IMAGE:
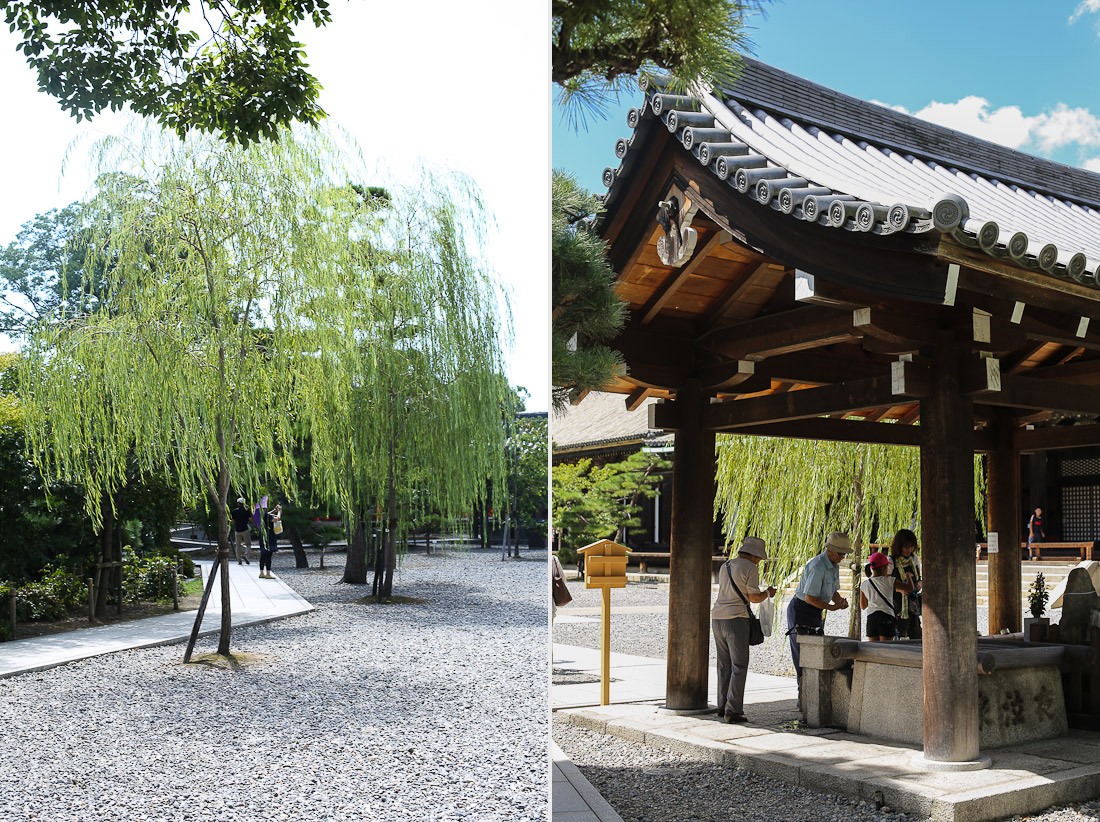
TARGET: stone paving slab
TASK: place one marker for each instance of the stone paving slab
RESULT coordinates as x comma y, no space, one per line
1021,780
252,601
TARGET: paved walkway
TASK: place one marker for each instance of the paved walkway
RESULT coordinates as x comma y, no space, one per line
252,600
1023,779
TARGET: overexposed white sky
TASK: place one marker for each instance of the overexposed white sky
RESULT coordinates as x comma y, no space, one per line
452,86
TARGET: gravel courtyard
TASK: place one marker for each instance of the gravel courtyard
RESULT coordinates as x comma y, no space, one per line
647,784
429,710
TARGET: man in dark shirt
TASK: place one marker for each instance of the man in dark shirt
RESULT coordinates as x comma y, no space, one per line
1034,531
242,535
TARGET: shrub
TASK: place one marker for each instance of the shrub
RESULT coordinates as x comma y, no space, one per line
5,622
185,566
148,578
50,598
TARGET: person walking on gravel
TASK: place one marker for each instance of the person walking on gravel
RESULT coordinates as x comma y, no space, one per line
729,619
242,534
818,590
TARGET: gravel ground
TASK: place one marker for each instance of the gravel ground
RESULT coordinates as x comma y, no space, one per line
647,784
429,710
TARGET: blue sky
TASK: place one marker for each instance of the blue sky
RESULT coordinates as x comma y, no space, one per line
1022,73
414,85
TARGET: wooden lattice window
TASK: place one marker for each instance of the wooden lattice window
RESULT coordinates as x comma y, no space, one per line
1080,511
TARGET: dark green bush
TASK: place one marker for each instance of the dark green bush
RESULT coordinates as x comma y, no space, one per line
52,597
5,615
147,578
185,565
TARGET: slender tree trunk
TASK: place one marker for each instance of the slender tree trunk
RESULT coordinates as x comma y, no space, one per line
390,543
854,618
223,560
106,555
294,537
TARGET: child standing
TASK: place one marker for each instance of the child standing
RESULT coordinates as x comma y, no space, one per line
876,598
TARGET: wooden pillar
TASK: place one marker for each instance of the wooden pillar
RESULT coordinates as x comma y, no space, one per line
1003,493
692,531
947,533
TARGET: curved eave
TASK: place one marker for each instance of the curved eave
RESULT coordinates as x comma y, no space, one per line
811,174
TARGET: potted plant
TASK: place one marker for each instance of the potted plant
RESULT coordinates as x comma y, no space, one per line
1037,598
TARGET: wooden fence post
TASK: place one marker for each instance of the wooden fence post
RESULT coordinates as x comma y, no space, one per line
175,589
13,604
91,599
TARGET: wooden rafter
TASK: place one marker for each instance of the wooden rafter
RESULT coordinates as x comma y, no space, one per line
732,295
782,333
661,297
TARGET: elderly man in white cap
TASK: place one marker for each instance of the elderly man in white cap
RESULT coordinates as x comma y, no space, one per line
738,584
818,591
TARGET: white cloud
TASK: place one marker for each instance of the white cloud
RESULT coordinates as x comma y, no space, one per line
1044,133
1092,165
1006,125
1083,8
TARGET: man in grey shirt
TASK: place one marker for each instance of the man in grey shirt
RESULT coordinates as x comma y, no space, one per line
729,619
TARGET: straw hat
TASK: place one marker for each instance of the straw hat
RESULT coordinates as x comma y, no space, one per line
753,546
839,542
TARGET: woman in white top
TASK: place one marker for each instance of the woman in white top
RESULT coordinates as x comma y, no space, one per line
876,598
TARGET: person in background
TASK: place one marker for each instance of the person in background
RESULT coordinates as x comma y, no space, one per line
242,534
559,591
269,542
1034,531
907,569
818,590
738,584
876,598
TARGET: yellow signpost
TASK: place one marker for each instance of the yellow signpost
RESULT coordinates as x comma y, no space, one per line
605,568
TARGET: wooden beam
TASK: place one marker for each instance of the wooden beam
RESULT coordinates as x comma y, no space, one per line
678,277
815,290
986,275
1026,392
837,430
636,397
811,402
1086,372
1055,437
781,333
737,376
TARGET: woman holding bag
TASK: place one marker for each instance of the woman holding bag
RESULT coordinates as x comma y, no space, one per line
738,584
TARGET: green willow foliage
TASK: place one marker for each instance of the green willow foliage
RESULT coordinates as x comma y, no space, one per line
252,297
792,493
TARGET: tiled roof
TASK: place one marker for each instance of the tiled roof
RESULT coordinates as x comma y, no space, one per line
601,419
815,154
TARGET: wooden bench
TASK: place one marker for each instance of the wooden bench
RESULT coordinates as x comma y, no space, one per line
643,558
1083,549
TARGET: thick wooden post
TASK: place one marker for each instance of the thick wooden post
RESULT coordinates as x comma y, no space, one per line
692,532
947,535
1003,493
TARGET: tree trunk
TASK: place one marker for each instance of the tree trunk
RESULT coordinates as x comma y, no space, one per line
355,568
854,618
223,561
106,555
294,537
390,543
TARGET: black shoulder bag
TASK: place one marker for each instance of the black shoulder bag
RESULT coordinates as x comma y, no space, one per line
756,632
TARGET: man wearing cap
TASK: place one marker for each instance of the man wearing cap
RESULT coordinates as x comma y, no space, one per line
729,619
818,590
242,535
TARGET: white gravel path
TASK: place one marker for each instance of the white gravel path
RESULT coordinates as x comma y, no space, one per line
434,710
647,784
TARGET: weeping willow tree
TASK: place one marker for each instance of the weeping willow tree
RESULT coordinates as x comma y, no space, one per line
792,493
419,428
193,360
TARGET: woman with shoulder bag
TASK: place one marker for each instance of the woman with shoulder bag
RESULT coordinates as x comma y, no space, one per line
730,619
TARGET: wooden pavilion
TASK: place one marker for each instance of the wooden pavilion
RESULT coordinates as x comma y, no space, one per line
802,263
